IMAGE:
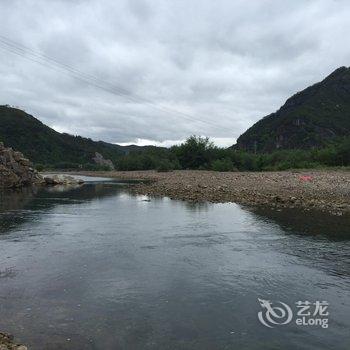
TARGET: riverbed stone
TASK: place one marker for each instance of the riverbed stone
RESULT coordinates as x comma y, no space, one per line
329,190
7,343
53,180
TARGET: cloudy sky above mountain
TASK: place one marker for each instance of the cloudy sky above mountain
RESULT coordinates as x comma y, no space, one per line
151,71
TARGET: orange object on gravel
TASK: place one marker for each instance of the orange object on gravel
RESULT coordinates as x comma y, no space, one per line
305,178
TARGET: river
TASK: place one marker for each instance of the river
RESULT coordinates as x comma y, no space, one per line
96,267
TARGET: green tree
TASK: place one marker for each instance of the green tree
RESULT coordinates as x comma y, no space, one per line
196,152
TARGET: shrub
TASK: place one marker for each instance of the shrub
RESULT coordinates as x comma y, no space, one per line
165,165
223,165
195,152
66,165
39,167
95,167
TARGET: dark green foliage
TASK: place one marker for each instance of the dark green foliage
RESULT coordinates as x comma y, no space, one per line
149,160
309,119
336,153
94,167
165,165
199,153
195,152
39,167
66,165
44,145
52,150
224,164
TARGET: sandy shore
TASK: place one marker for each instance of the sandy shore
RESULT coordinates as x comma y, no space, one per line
327,190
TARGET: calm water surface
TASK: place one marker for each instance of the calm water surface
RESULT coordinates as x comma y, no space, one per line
97,268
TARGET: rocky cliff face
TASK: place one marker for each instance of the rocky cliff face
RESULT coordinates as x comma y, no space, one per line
98,159
16,170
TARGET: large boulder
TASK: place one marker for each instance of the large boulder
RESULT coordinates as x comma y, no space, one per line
16,170
53,180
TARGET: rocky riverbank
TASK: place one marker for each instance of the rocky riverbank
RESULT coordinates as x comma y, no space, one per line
7,343
16,170
326,190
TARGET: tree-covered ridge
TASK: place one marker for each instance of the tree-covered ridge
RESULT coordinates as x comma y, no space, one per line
44,145
50,149
309,119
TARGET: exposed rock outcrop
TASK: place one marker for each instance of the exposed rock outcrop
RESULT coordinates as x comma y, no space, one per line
16,170
7,343
99,160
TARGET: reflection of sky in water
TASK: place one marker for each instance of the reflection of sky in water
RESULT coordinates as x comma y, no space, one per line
109,270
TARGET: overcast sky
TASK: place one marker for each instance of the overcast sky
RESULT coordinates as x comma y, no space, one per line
176,63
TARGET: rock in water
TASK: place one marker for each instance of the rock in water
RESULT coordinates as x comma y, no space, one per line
16,170
61,180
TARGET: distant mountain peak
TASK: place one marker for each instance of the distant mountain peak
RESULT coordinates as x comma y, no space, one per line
339,71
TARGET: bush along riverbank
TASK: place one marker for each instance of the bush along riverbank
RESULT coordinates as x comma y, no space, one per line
198,153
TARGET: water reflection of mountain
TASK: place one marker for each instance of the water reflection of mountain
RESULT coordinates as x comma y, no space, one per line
328,235
18,206
312,223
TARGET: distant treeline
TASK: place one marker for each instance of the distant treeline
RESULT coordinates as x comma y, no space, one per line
49,149
199,153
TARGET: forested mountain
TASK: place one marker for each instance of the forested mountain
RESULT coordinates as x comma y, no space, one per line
42,144
309,119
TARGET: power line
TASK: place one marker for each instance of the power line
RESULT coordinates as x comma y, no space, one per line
53,63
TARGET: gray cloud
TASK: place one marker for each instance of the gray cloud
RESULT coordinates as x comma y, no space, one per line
226,62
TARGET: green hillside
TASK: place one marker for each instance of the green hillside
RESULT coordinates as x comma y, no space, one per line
44,145
309,119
